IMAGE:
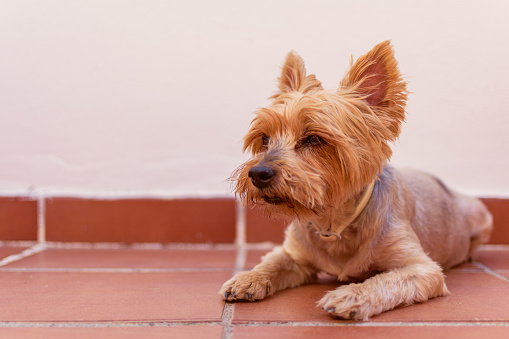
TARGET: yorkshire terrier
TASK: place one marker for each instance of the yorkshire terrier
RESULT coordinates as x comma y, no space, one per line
319,157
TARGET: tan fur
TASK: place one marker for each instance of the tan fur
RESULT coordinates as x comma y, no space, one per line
318,150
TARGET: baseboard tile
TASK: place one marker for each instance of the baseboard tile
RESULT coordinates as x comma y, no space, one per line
153,220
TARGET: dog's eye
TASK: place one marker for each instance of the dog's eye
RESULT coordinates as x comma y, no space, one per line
265,140
312,140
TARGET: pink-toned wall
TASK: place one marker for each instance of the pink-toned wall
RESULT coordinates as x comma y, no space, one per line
153,97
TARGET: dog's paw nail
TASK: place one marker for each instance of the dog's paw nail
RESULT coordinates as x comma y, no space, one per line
352,314
226,294
330,309
249,296
234,295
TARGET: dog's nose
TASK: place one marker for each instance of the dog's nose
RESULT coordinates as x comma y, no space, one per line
261,176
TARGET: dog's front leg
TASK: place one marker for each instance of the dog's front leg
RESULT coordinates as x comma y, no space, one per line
405,285
276,272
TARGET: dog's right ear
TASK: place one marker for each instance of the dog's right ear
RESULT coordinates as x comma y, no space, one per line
293,76
377,80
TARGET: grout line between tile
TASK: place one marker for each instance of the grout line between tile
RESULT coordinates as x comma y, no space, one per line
19,324
227,320
17,243
494,247
240,223
37,248
240,262
41,218
229,308
138,246
490,271
371,324
98,324
110,270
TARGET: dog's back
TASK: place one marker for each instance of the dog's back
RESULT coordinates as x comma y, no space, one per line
460,223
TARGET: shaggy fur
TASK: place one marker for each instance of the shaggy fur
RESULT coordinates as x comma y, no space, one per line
319,157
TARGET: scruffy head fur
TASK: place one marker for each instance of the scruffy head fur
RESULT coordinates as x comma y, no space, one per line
322,147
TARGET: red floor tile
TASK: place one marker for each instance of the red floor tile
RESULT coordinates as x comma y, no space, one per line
6,251
378,332
70,296
181,332
254,257
475,297
298,304
467,266
129,258
496,259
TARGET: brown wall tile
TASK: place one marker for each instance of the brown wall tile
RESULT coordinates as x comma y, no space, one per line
157,220
499,208
261,228
140,220
18,218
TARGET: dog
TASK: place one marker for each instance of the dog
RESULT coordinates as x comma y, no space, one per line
320,158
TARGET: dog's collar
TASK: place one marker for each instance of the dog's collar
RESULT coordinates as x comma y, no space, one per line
333,236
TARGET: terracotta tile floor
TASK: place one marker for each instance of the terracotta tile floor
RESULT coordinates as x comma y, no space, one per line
58,291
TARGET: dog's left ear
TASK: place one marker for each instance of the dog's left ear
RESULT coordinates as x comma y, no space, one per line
376,77
294,78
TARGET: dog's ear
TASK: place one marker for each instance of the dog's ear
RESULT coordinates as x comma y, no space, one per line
293,76
376,77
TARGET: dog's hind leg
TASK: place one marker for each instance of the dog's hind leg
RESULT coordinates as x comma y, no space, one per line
481,223
478,219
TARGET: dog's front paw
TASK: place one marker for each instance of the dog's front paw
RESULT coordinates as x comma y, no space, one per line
246,286
348,302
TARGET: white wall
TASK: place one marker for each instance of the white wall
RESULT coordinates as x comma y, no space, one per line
153,97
